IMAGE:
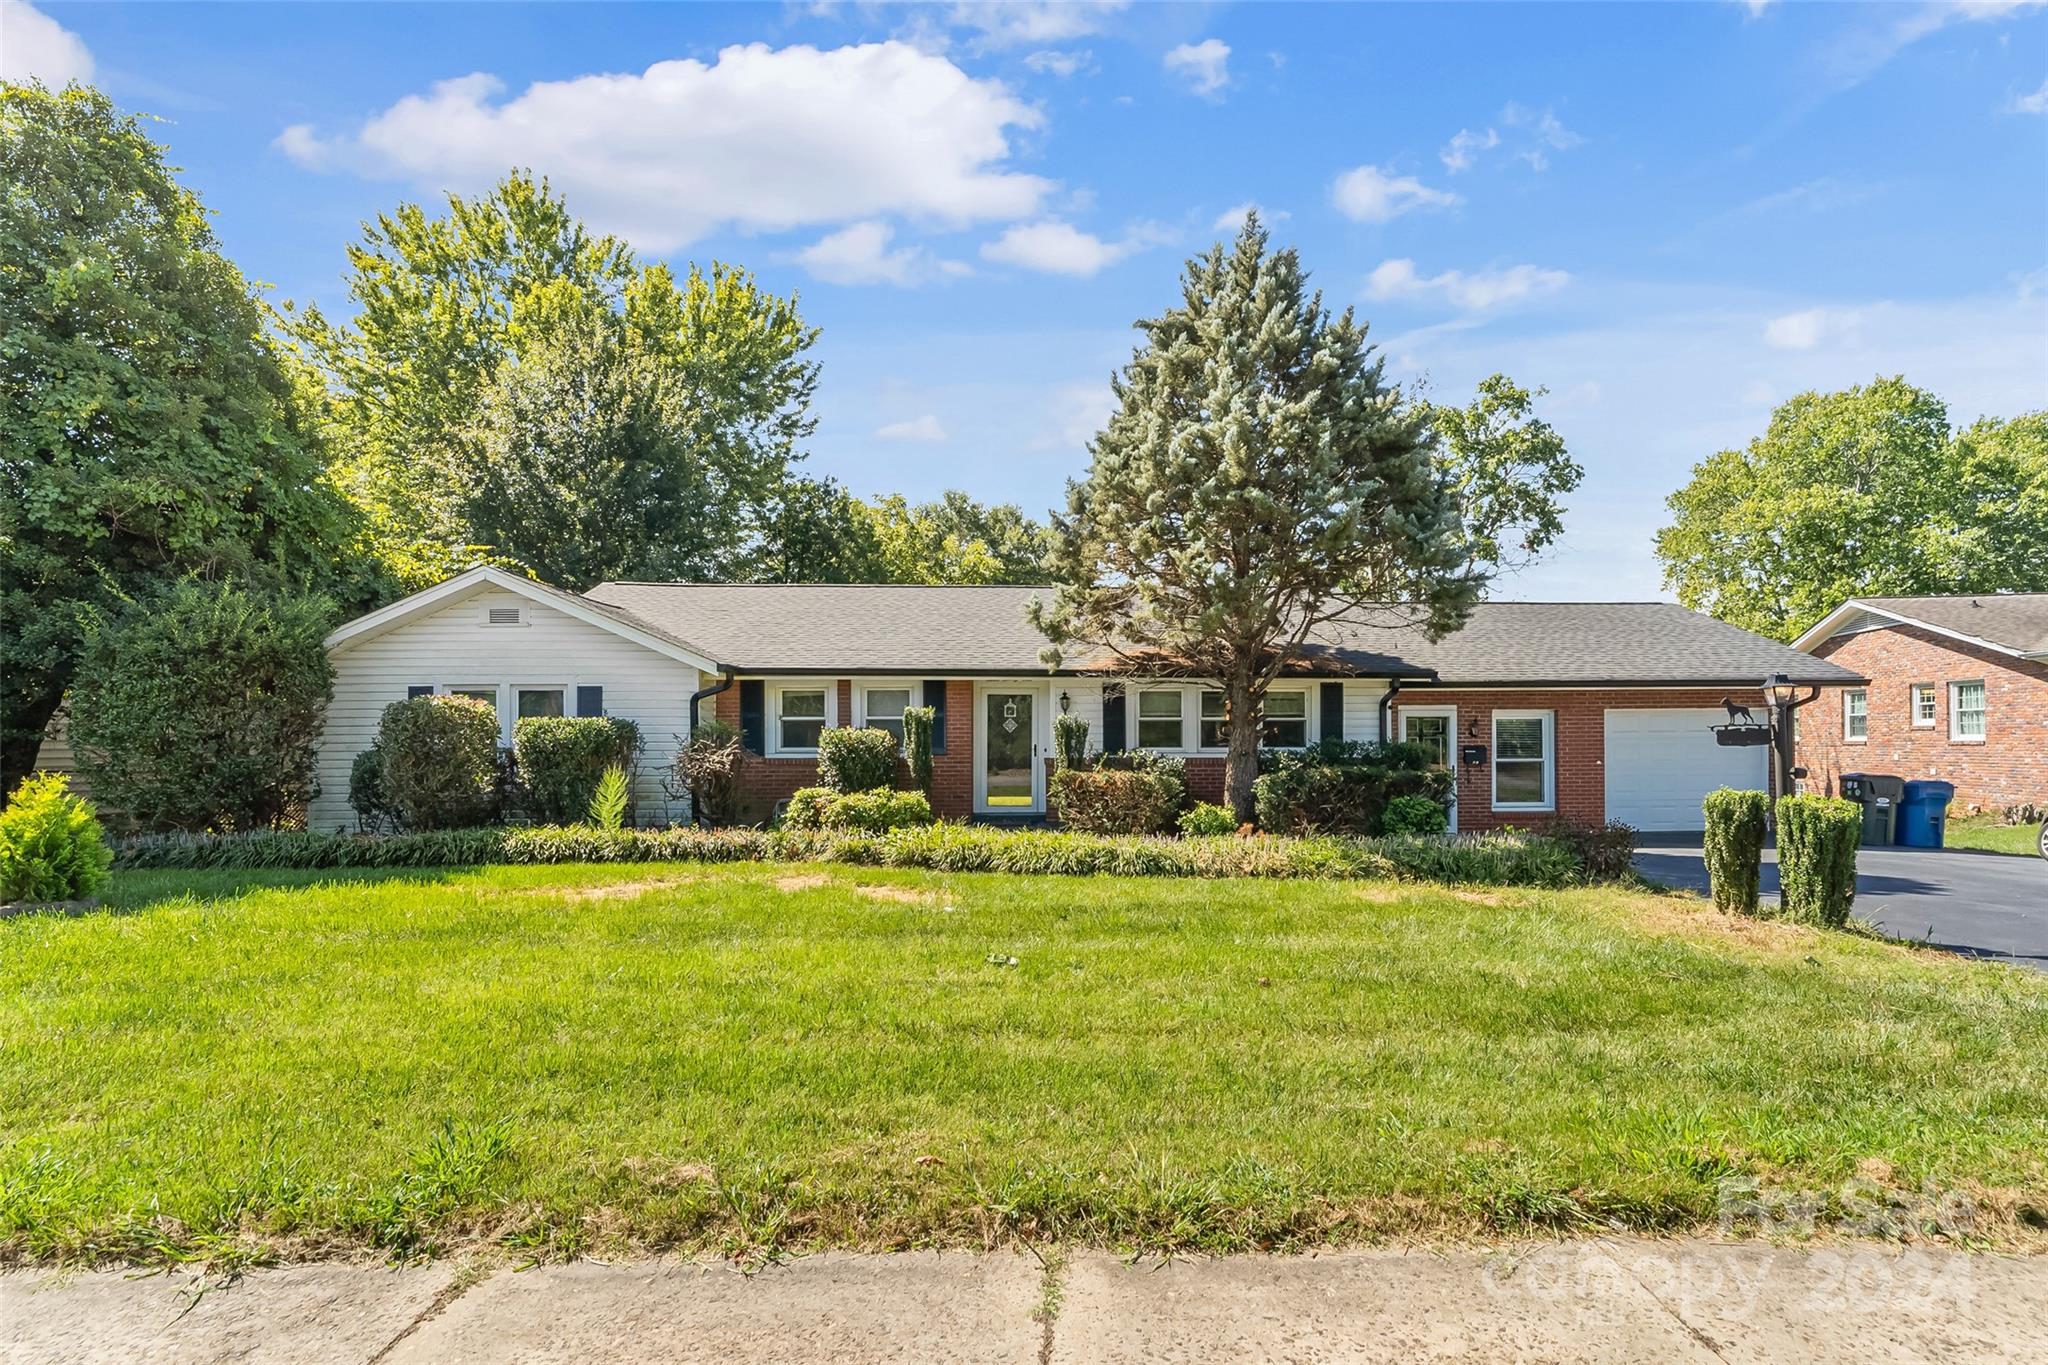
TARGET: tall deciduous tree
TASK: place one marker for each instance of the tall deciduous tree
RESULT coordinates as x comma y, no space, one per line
1865,491
958,540
147,427
1510,470
508,305
1260,478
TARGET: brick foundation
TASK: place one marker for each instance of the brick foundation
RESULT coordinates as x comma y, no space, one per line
2009,766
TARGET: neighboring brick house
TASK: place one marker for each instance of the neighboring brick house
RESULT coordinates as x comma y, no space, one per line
1958,690
1587,711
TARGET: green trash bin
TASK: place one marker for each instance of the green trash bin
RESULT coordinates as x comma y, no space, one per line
1879,794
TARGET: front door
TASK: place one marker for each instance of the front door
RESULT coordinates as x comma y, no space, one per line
1009,779
1435,728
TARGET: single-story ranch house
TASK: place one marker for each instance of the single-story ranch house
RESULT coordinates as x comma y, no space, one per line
1589,711
1958,690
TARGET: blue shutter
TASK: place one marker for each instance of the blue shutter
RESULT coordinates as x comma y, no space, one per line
590,701
935,697
419,690
1333,710
754,716
1113,718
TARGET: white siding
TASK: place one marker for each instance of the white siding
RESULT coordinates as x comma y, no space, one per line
1087,697
1362,709
453,647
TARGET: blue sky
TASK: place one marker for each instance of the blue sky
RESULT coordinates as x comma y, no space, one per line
1670,216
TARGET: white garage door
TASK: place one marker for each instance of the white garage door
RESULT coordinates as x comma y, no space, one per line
1662,764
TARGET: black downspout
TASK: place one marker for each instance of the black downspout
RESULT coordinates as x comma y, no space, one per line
1386,707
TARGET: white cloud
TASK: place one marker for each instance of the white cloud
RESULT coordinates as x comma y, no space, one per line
1205,66
860,254
1756,7
1058,248
1055,62
1367,194
1232,218
1475,292
1015,23
764,138
35,46
1460,151
1861,51
1805,330
1075,413
923,429
2036,103
1547,131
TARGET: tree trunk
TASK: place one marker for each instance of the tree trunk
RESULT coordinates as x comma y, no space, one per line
1241,764
22,736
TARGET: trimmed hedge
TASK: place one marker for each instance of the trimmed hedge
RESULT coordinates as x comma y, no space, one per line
1737,822
1817,838
1134,792
440,761
1338,787
874,811
856,760
1490,859
562,759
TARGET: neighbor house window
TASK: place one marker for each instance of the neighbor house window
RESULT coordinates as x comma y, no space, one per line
1966,710
540,701
1285,722
1522,760
800,717
1923,704
1159,714
885,708
1856,714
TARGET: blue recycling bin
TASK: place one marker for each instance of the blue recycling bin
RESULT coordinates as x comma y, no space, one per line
1923,813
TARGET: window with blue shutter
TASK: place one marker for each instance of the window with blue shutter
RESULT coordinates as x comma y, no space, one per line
1333,710
935,697
1113,718
754,716
590,701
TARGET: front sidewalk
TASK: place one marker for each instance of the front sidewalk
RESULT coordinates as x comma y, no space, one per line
1604,1300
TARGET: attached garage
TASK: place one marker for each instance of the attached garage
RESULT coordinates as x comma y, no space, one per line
1661,764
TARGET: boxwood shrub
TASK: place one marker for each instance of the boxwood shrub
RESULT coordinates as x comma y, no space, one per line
440,761
874,811
562,758
1135,792
1342,787
1737,822
856,760
1817,837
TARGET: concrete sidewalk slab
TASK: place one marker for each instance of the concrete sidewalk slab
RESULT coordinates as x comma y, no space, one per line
300,1315
918,1306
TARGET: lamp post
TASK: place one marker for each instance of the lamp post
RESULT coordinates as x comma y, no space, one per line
1780,693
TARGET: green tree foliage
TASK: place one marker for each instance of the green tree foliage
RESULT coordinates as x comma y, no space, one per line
1510,469
1862,492
501,355
199,707
148,428
958,540
51,848
819,533
1259,479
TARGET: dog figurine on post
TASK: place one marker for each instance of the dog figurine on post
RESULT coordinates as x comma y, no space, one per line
1737,714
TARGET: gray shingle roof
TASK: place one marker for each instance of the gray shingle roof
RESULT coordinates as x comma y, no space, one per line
2016,621
866,628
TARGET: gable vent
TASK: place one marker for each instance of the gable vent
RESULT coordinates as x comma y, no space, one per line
504,616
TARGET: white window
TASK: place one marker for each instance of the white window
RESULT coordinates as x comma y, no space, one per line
1923,705
1159,713
1285,723
1856,714
1966,711
1215,724
539,701
799,718
1522,761
884,708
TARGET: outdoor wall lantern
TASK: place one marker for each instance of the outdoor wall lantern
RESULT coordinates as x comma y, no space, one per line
1778,689
1066,703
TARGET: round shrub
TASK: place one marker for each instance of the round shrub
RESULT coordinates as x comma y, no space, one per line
1414,815
1737,822
200,707
441,761
856,760
1205,819
51,848
562,758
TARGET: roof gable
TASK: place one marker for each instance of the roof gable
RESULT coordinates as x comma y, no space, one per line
2010,623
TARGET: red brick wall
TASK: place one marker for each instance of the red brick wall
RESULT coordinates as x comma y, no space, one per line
2008,767
765,781
1579,736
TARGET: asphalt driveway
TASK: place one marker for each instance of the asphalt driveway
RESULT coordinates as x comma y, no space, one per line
1992,905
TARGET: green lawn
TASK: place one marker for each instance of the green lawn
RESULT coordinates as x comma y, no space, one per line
1992,837
564,1059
